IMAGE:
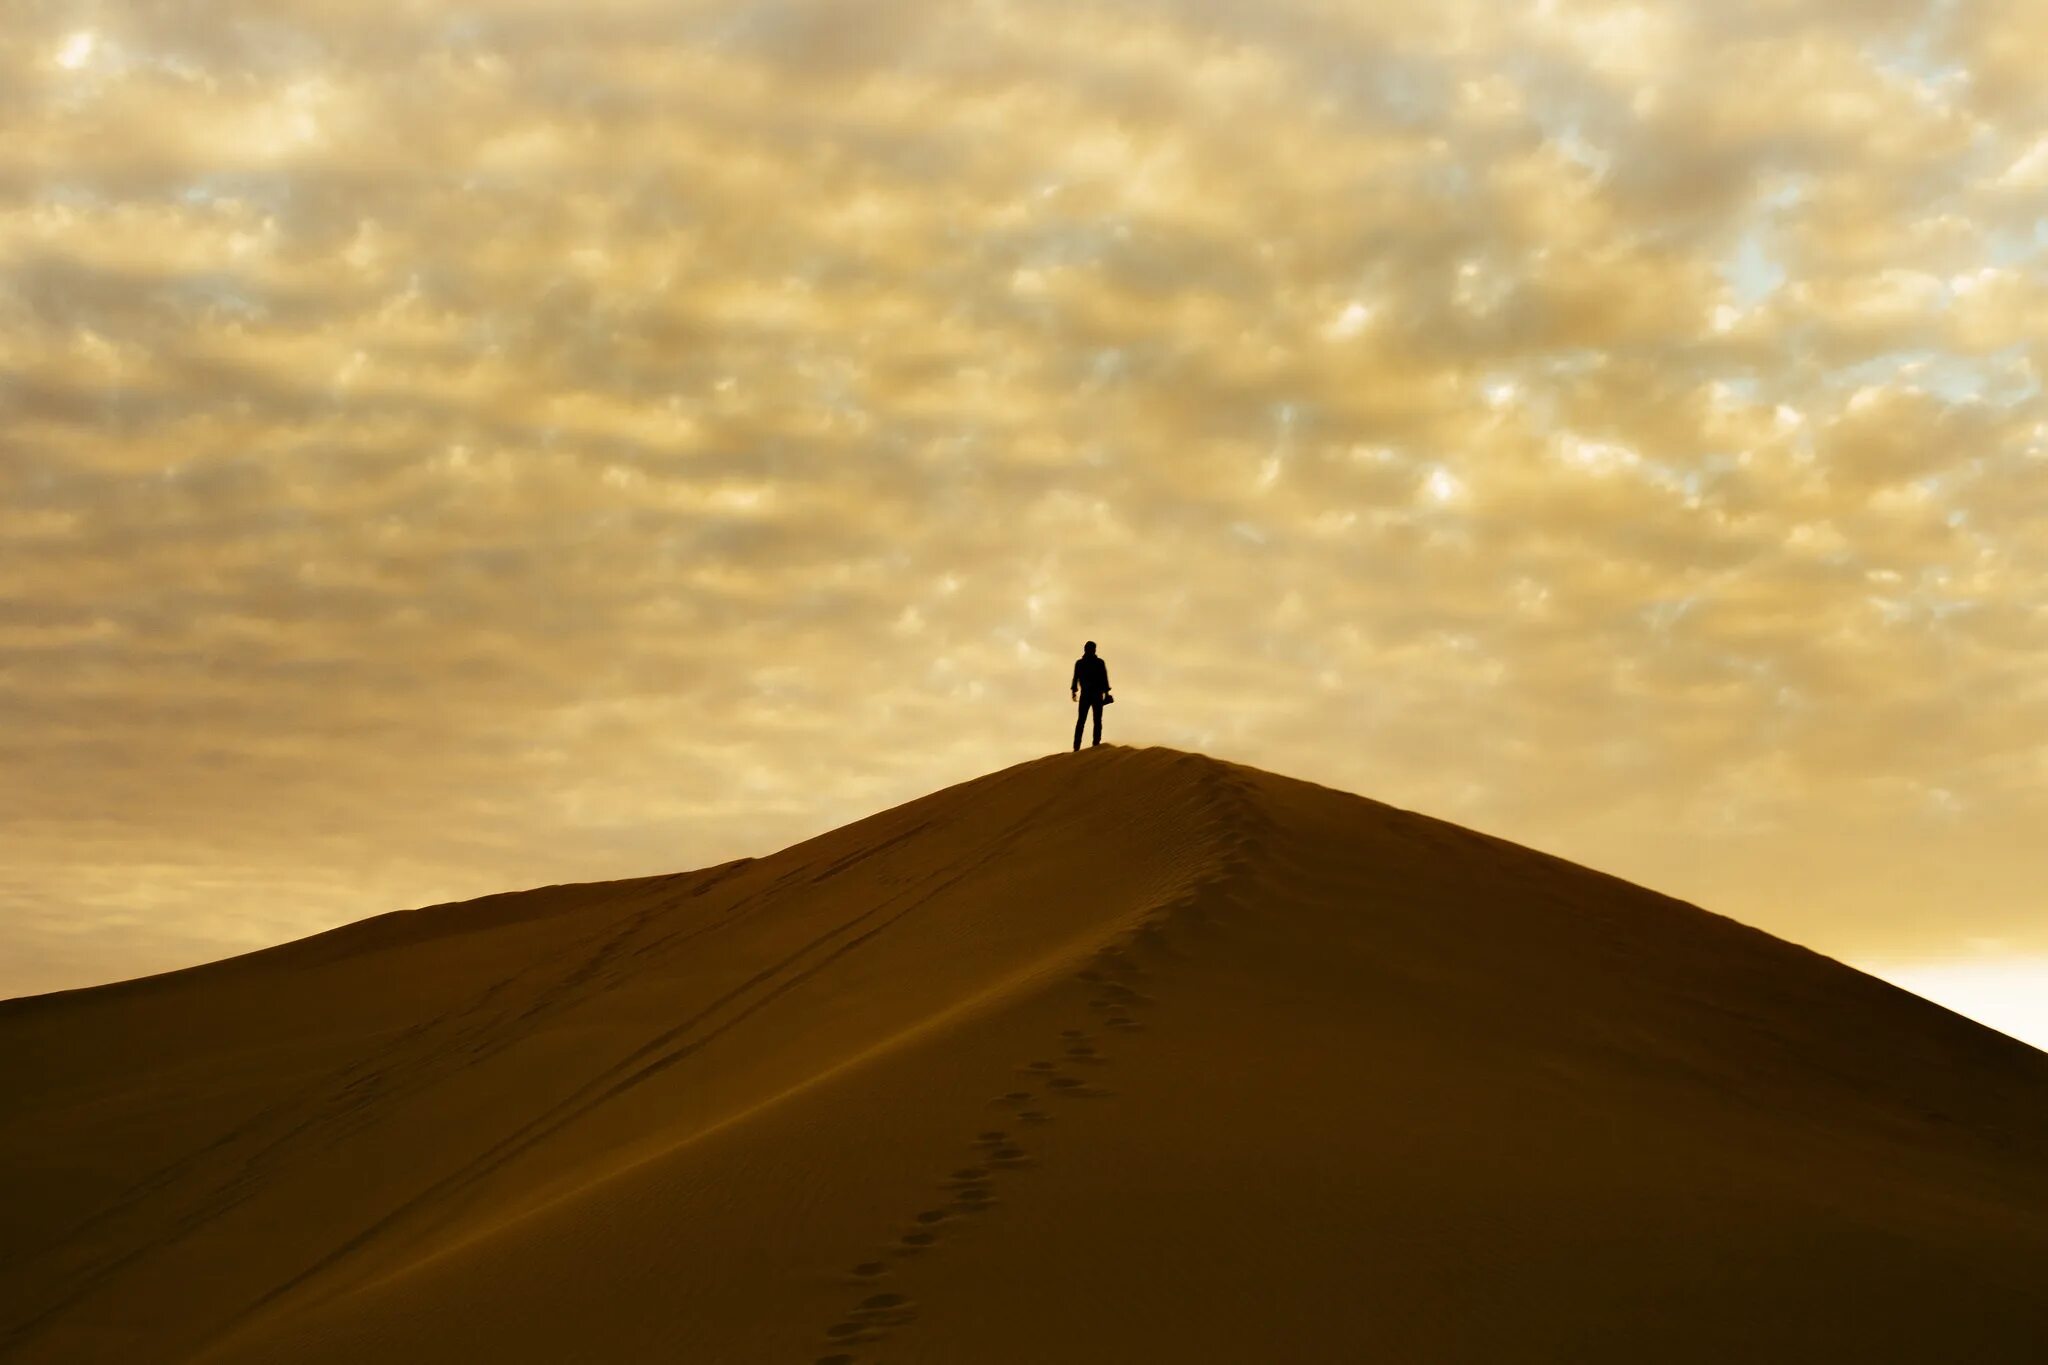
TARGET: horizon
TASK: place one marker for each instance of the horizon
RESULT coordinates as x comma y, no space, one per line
455,453
2005,1002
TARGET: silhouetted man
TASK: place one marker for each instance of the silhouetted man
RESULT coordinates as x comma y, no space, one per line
1091,688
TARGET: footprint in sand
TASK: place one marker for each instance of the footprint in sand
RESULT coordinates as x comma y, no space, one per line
878,1311
869,1321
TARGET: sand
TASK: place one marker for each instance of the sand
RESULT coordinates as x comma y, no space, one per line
1125,1056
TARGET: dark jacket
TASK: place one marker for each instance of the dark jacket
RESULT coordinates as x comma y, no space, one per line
1091,675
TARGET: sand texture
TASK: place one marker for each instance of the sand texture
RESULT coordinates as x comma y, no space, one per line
1127,1056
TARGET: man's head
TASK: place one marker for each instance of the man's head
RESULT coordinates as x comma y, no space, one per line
1088,648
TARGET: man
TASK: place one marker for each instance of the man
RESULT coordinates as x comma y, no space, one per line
1091,689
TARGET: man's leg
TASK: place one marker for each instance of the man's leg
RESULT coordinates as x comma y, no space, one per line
1098,721
1080,719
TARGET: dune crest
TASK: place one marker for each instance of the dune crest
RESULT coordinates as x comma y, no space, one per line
1123,1055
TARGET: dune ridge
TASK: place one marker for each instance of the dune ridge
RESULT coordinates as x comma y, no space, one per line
1130,1054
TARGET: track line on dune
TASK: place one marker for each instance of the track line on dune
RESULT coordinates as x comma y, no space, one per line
330,1104
350,1077
325,1104
355,1076
336,1101
588,1097
657,1054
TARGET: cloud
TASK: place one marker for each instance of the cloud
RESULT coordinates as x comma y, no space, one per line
440,453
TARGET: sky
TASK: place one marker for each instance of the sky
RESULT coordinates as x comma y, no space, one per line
449,448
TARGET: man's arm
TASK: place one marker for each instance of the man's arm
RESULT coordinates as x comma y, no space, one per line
1074,689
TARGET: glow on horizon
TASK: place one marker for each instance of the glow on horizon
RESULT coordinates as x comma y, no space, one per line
2009,994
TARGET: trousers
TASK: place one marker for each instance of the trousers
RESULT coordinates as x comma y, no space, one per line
1088,700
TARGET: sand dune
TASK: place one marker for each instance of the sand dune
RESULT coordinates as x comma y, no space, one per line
1125,1056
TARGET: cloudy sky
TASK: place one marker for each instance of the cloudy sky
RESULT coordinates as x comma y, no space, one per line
446,448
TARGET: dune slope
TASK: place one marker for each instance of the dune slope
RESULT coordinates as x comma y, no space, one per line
1119,1056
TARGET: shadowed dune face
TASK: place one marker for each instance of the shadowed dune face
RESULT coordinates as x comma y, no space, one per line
1122,1055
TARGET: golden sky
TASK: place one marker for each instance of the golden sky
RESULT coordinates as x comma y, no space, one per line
446,448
